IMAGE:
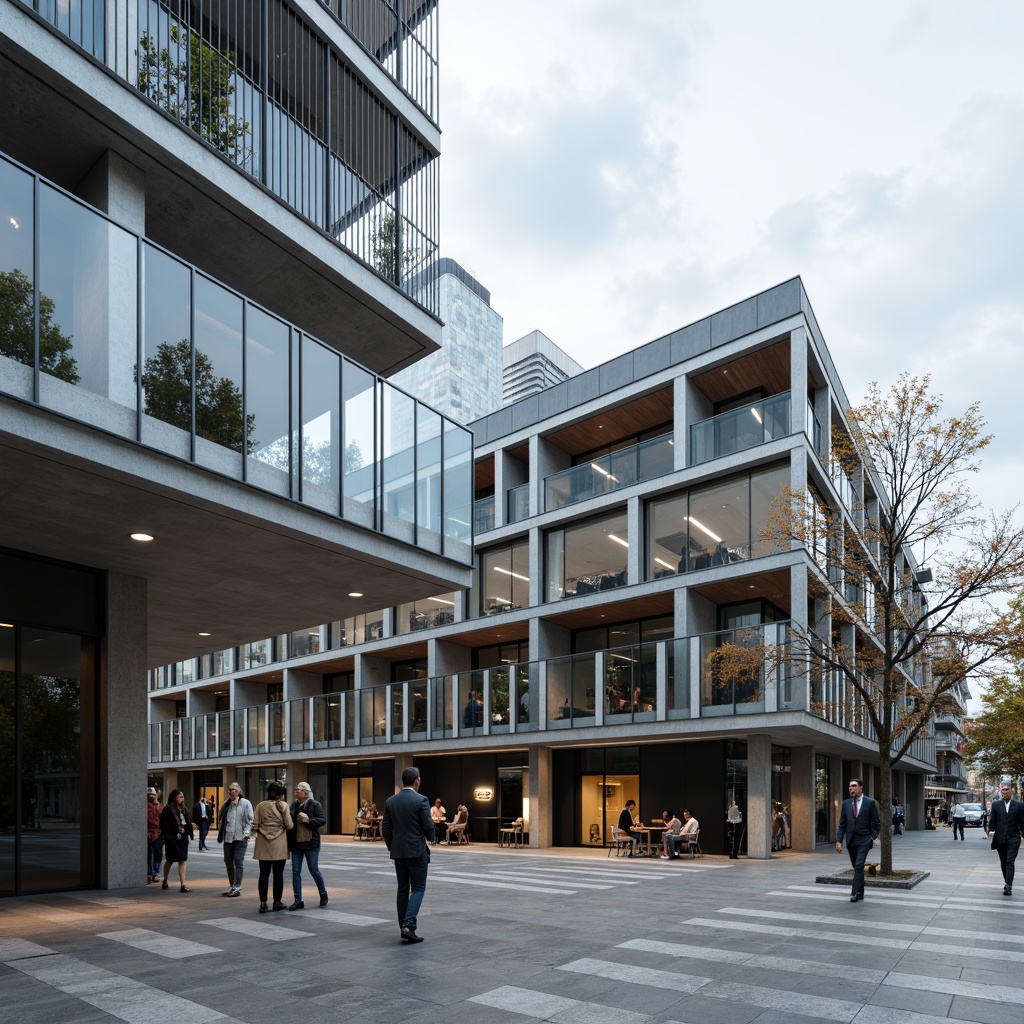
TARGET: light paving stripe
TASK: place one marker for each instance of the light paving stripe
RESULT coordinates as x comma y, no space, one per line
773,999
897,894
798,933
768,963
633,975
972,990
107,901
559,1009
961,903
162,945
128,1000
839,922
257,929
461,879
340,917
20,949
970,952
890,1015
530,878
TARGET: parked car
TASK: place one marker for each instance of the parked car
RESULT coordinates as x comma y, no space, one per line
974,812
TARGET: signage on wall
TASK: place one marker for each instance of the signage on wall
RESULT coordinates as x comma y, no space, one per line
483,794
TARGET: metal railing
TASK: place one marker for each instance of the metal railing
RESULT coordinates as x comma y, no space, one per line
252,79
607,473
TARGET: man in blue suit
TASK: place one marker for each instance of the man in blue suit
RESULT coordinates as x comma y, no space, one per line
408,830
1005,826
860,823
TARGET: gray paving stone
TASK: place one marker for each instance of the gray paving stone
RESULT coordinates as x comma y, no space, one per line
936,1003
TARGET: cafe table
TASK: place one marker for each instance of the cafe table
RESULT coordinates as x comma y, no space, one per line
650,833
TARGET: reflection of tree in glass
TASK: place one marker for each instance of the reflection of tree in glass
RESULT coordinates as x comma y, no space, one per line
734,670
16,336
50,740
191,80
316,458
384,247
165,380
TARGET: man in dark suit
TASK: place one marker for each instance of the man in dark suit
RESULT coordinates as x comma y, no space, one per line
1006,823
860,823
408,830
202,815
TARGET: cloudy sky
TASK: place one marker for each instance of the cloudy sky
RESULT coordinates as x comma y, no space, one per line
613,171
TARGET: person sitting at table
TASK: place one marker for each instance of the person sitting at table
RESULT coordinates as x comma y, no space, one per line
626,825
691,826
672,827
437,816
362,814
460,819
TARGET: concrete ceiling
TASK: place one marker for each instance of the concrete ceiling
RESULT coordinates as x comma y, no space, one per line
227,559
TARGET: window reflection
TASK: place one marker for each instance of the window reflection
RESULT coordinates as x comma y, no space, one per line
321,425
503,580
267,415
17,340
587,558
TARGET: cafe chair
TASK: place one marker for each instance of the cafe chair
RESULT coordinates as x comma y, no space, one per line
512,836
693,844
621,842
457,833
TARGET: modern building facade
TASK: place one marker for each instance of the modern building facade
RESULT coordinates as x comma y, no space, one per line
212,216
627,628
463,379
950,781
531,364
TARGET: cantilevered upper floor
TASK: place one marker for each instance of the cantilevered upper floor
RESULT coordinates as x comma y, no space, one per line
288,149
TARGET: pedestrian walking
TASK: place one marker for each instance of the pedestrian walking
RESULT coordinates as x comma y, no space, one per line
272,821
304,843
177,831
1007,825
958,816
861,824
407,830
154,836
234,827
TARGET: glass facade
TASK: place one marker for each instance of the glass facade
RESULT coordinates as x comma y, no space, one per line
713,525
502,581
48,799
587,557
223,383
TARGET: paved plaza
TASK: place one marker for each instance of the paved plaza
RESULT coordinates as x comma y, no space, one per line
512,936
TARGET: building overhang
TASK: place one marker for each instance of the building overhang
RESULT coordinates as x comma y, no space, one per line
228,559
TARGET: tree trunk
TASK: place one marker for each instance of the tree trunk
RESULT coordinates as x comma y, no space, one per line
885,812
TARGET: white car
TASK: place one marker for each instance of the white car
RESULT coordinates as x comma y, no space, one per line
975,813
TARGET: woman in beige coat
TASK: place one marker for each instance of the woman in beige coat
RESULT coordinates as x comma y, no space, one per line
271,824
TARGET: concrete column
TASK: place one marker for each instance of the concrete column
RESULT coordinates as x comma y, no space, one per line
540,798
118,188
801,797
294,773
798,373
635,533
545,459
121,727
509,472
302,684
914,801
402,761
836,793
759,797
536,570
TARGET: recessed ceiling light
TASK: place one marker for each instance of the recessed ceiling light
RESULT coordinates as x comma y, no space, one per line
355,593
142,537
205,634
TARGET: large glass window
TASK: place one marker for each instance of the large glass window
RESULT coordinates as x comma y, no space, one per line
218,371
48,812
587,557
428,470
360,440
88,274
503,580
431,611
714,525
321,424
167,353
458,484
397,462
268,424
17,345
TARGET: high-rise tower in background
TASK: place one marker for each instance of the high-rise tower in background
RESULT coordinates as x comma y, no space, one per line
531,364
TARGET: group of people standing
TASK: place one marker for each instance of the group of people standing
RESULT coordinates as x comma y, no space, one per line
280,830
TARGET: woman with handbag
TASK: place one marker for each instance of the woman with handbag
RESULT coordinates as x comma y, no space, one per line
177,831
272,821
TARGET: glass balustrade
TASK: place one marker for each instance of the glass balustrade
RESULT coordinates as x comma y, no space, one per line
608,473
740,429
483,515
131,340
753,670
519,503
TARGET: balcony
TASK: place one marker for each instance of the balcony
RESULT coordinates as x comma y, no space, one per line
740,429
518,503
732,673
483,515
628,466
951,782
